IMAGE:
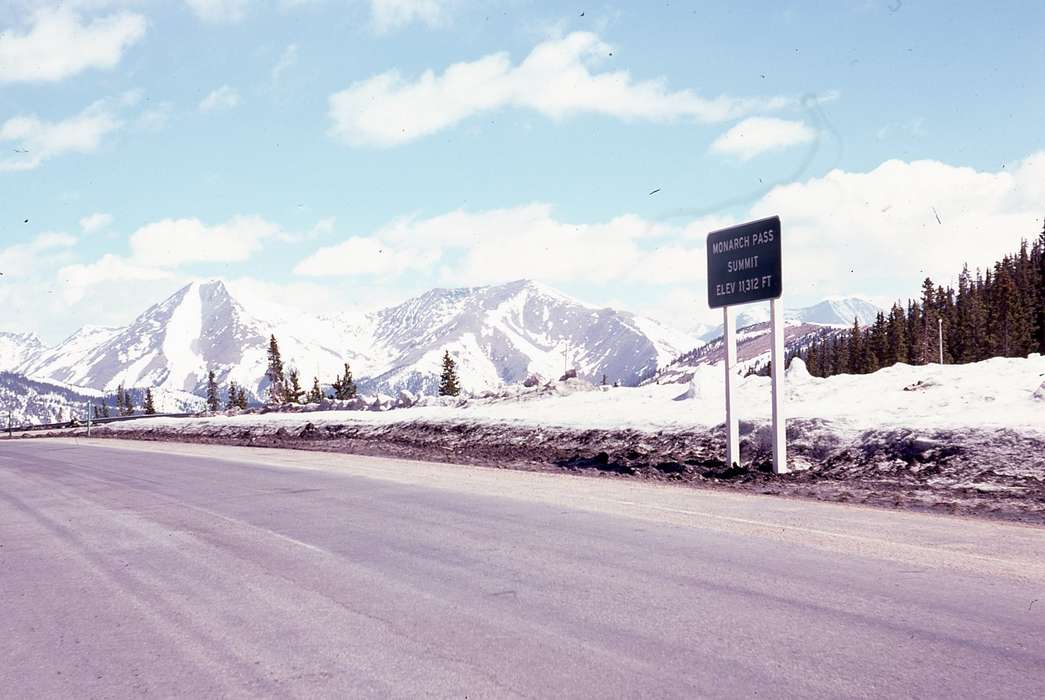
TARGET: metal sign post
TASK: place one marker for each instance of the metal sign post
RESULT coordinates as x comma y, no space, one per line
729,337
744,266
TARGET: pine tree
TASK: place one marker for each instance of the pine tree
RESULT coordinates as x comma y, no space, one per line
856,349
150,407
878,344
213,402
344,387
1011,328
915,333
812,359
295,393
105,408
241,398
123,401
448,383
930,314
316,394
896,337
277,380
1038,258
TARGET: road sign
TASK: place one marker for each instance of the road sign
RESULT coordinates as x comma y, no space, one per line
743,267
744,263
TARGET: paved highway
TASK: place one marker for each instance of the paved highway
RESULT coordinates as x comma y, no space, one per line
163,570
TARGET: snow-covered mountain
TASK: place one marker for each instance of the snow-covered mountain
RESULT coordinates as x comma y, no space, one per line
17,348
497,334
32,402
802,327
830,312
502,334
174,344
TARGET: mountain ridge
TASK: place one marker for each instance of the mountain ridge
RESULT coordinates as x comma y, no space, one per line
499,334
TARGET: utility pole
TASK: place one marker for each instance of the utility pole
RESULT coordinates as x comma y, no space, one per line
940,336
9,424
89,419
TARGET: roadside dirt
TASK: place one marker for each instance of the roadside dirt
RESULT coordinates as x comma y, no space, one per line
991,474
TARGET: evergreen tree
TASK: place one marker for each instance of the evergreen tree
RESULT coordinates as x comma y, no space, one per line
1011,327
105,408
213,402
1038,261
128,404
230,397
915,333
448,383
241,398
316,394
927,352
856,349
120,400
277,380
295,394
878,344
150,407
344,387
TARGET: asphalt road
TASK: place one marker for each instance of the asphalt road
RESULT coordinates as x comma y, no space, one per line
190,571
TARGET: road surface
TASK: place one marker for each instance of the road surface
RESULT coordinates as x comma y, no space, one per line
201,571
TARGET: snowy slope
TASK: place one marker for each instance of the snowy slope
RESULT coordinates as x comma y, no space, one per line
838,311
32,402
753,349
502,334
175,343
802,327
1003,393
497,334
17,348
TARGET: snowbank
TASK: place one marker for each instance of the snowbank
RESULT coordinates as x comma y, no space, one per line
996,393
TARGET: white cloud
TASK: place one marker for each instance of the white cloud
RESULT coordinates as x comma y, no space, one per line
159,248
871,233
175,242
76,280
36,141
361,256
219,11
501,244
93,223
40,253
388,15
878,231
757,135
286,61
155,118
59,44
556,80
222,98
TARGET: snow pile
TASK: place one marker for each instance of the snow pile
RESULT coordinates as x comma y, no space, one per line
708,383
995,394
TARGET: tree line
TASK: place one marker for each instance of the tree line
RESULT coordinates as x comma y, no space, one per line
284,387
997,313
126,403
285,384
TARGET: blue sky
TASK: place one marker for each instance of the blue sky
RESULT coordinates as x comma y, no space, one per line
333,155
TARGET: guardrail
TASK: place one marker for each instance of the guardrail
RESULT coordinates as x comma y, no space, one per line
94,421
